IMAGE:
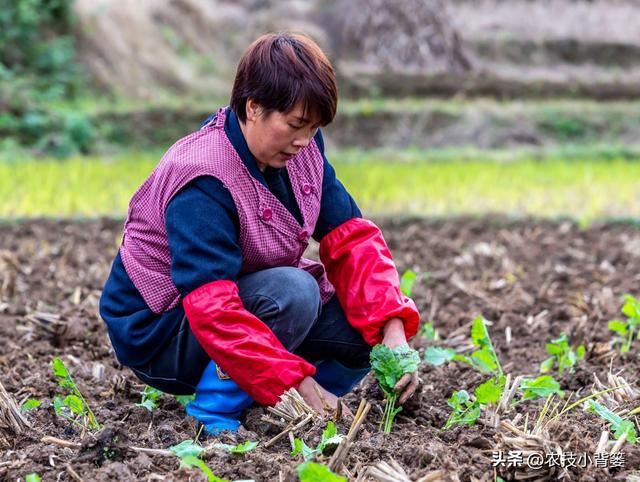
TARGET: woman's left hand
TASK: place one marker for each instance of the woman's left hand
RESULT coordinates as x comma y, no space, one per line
393,337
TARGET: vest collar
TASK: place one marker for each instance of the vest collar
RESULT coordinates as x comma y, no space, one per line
239,143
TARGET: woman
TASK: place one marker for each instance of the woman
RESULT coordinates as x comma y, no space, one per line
209,292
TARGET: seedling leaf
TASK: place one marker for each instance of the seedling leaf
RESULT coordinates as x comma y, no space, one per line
625,426
547,365
57,405
540,387
631,307
429,332
330,437
618,326
555,348
484,361
479,334
184,399
389,366
148,404
299,447
332,441
74,404
186,448
313,472
618,424
438,356
627,329
187,451
458,398
562,355
406,282
489,391
464,411
150,397
189,461
32,477
30,405
59,369
242,448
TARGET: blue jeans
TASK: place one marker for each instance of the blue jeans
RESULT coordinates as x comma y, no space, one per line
288,301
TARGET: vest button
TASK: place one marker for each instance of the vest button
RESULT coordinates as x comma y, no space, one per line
267,214
306,188
303,235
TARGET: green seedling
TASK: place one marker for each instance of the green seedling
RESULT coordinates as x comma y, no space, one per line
466,410
314,472
73,407
32,477
562,355
389,366
490,391
188,451
626,329
242,448
185,448
330,438
436,356
406,282
150,397
428,332
540,387
184,399
190,461
619,426
30,405
484,358
301,448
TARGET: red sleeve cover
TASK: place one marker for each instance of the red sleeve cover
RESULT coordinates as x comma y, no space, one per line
360,267
241,344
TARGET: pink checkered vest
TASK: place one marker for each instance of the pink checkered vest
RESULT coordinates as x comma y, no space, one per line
269,234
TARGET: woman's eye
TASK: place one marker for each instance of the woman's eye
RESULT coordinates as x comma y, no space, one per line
294,127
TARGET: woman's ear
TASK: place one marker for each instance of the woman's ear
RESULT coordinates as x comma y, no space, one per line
252,110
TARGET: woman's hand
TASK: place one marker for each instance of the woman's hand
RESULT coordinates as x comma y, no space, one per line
318,398
393,337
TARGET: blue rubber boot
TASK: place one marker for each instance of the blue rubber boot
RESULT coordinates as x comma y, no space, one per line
337,378
219,401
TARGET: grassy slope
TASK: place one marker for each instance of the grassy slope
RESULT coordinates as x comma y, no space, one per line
453,182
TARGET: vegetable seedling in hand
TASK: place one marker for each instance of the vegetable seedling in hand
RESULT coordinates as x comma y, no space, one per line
390,367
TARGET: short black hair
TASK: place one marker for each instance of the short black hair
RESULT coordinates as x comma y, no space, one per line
279,70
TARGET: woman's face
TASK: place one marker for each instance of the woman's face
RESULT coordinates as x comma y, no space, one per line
275,138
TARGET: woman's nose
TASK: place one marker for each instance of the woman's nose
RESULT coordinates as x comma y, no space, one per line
304,137
302,141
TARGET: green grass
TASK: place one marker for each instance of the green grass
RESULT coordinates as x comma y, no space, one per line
453,182
585,191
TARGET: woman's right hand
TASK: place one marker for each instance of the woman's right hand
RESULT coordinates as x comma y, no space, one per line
321,400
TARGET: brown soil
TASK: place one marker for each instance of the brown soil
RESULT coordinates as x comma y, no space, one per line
534,279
